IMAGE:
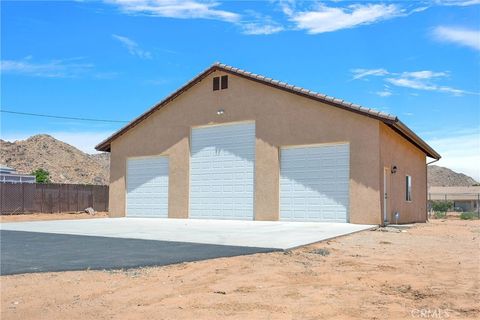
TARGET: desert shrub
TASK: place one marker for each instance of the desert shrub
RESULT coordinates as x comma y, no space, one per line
439,214
442,206
468,215
41,175
322,251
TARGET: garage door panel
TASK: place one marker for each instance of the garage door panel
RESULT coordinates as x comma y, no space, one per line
222,171
147,187
314,183
138,187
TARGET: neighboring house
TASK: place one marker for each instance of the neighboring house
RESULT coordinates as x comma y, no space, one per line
466,198
9,175
231,144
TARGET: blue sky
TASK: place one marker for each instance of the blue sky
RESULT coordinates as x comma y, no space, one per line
114,59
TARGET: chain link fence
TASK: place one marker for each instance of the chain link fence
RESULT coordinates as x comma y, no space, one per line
18,198
455,202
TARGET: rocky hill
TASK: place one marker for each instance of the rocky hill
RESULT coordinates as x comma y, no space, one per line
444,177
104,160
65,163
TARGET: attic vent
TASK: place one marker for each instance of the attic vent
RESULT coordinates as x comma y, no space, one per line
220,82
224,82
216,83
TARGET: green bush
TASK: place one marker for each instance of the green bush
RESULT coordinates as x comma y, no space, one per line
41,175
468,215
442,206
439,214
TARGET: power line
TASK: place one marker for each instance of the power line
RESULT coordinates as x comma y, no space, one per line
59,117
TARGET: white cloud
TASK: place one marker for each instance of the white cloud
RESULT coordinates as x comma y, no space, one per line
287,7
318,18
419,9
459,3
423,80
426,74
66,68
327,19
256,25
251,23
362,73
462,36
188,9
384,93
418,80
85,141
256,28
460,152
410,83
132,47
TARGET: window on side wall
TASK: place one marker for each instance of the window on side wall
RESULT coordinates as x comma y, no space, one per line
408,188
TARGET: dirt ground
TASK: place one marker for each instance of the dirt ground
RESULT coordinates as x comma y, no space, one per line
50,216
429,272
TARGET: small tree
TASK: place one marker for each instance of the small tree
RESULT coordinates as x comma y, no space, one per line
442,206
41,176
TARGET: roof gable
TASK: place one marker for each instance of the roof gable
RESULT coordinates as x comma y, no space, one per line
386,118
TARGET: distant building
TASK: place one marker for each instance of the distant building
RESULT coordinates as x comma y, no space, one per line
466,198
9,175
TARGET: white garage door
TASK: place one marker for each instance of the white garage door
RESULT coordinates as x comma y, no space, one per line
147,187
314,183
222,172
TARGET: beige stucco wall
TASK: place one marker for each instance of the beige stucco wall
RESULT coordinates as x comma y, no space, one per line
409,160
281,119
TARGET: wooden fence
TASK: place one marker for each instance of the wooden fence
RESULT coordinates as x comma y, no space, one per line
18,198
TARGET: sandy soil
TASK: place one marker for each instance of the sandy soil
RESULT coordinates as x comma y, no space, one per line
50,216
431,271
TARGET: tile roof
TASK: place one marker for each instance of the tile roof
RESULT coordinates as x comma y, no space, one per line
387,118
307,92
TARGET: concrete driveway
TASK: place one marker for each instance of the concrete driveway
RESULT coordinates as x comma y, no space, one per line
257,234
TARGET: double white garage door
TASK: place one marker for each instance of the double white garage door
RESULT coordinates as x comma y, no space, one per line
313,180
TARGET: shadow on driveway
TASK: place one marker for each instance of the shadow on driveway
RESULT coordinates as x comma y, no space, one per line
27,252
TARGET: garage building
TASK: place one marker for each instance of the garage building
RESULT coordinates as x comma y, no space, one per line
231,144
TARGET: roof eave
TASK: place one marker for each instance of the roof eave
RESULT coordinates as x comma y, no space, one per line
415,139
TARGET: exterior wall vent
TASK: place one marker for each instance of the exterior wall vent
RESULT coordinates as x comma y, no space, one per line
224,82
216,83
